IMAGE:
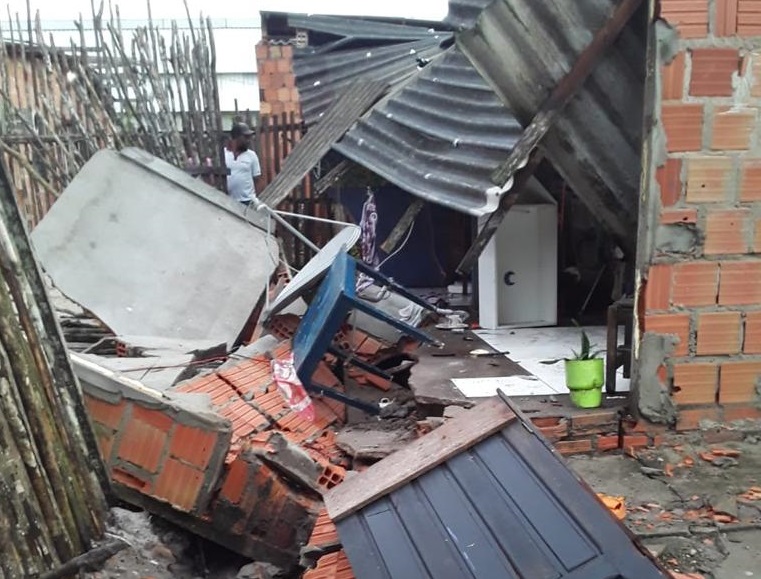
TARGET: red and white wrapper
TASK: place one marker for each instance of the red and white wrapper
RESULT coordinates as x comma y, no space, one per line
290,387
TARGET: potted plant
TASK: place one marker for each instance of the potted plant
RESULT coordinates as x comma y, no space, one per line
585,374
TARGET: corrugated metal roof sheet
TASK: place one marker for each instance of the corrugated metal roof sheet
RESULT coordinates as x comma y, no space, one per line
354,101
360,28
523,48
320,78
507,506
439,136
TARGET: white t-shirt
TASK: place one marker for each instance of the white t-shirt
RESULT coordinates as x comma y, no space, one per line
240,181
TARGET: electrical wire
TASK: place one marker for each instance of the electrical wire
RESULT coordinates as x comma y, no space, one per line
398,249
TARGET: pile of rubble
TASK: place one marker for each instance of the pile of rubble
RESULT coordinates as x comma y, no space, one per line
194,427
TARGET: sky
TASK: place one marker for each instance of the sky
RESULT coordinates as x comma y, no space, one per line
242,9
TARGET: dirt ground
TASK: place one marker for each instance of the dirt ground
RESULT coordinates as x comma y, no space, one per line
697,507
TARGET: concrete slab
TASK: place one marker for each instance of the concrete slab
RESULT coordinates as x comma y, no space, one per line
152,251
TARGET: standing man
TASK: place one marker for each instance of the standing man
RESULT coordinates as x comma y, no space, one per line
243,164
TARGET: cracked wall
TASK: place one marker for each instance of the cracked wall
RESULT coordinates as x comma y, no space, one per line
699,257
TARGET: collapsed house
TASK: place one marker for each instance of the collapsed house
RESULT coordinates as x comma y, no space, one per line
253,448
237,443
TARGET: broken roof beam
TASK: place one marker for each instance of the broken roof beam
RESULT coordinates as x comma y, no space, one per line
358,97
476,42
332,177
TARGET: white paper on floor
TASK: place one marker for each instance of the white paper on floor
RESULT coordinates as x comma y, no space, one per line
510,385
533,348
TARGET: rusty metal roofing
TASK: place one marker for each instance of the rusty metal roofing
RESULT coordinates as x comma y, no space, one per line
438,136
523,48
499,504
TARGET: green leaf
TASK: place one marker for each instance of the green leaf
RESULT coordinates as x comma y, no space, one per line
585,345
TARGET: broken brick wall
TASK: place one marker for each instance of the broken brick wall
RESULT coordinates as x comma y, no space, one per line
699,291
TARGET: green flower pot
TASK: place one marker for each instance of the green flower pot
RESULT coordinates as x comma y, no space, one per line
585,379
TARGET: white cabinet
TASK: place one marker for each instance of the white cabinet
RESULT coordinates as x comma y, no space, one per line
517,272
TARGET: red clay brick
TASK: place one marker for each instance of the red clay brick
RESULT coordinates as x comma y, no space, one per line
691,419
105,446
695,284
105,413
748,18
658,288
142,445
574,446
669,177
553,428
155,418
690,18
671,324
261,50
179,485
740,283
752,343
601,421
683,125
192,445
734,412
636,441
732,129
753,71
757,236
130,480
750,179
695,383
727,231
235,481
672,78
709,179
712,70
726,18
605,443
738,382
719,333
672,216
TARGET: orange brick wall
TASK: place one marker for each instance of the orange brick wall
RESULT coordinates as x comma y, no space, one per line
277,83
701,262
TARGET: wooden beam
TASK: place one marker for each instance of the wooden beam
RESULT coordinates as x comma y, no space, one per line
419,457
495,219
331,177
543,121
402,226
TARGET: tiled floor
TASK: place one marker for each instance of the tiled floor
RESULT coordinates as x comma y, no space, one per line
534,349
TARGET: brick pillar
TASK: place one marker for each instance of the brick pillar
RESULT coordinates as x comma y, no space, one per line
277,83
699,298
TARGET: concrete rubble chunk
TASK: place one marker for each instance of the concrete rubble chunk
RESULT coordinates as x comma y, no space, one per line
138,242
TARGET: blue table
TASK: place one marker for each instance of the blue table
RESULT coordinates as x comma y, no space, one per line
335,299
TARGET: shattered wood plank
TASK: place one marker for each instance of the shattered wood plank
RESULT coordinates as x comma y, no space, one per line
402,226
405,465
343,113
561,95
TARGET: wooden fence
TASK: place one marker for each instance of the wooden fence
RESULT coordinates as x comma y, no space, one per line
60,105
